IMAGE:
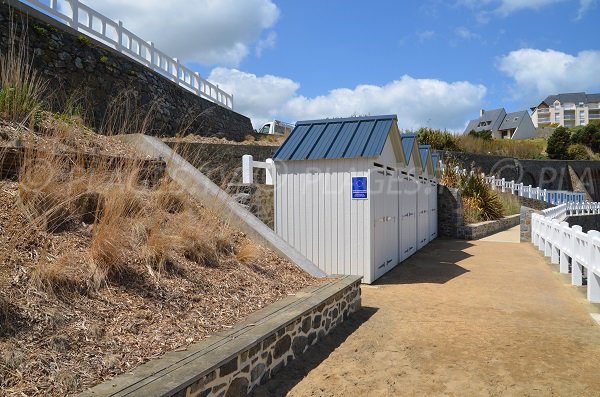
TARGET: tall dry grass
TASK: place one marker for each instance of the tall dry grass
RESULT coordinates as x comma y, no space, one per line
521,149
22,90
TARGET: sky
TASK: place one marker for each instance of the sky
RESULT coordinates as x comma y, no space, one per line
433,63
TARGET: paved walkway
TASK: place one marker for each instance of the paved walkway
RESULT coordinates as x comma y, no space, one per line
483,318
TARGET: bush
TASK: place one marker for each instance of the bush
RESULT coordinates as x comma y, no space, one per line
588,135
578,152
558,144
486,135
439,140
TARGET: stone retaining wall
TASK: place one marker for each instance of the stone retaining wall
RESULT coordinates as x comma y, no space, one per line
587,222
78,67
479,230
451,223
234,362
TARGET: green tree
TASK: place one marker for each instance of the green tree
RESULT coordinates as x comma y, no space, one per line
483,134
588,135
558,144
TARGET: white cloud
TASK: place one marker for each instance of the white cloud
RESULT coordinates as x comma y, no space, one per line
417,102
466,34
584,7
425,35
259,98
538,73
506,7
210,32
267,42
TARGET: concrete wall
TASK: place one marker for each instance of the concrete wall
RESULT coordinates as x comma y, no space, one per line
234,362
96,73
548,174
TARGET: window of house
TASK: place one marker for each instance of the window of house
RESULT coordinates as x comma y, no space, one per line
557,105
557,118
581,117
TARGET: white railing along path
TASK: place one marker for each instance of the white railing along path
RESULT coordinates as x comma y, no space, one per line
112,33
573,250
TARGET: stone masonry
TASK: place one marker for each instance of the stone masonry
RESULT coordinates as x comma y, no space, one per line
264,360
232,363
97,77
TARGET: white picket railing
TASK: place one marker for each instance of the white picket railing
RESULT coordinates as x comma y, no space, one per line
248,166
575,252
554,197
112,33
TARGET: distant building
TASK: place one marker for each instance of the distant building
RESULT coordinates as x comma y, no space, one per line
568,110
516,125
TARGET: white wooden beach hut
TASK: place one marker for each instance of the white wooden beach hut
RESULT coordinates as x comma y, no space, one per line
338,194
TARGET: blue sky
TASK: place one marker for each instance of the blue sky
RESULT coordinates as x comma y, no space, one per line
434,63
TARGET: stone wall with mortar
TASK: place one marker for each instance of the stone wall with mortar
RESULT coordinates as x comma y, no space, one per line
479,230
587,222
451,223
450,212
83,68
525,223
234,362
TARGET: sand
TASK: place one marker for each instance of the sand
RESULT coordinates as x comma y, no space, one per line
482,318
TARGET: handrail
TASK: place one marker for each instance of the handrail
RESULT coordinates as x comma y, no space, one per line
568,246
113,34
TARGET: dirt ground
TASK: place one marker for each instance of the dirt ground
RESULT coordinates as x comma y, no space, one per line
483,318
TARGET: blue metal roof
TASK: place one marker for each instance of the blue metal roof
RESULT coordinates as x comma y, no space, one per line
408,141
435,158
337,138
424,151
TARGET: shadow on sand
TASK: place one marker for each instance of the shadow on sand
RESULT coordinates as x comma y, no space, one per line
435,264
294,372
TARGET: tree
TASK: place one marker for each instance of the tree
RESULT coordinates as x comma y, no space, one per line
558,144
588,135
483,134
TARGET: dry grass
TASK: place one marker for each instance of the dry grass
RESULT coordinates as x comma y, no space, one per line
101,268
521,149
21,89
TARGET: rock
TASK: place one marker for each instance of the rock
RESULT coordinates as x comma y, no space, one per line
238,388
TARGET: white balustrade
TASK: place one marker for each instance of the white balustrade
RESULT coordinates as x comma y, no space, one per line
112,33
569,247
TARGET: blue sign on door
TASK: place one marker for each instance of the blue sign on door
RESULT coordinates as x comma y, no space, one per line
359,187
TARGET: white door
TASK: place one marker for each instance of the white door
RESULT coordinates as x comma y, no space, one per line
433,211
423,215
385,222
409,218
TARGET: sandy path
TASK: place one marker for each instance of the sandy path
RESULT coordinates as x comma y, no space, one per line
459,318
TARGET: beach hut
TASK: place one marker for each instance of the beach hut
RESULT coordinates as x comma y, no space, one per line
337,193
410,187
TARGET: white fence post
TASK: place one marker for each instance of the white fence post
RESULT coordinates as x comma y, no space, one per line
247,169
270,171
74,13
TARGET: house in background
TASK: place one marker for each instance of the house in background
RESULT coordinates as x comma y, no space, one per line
516,125
568,110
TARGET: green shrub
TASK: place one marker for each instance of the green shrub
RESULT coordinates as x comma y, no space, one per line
578,152
84,40
486,135
588,135
104,59
439,140
558,144
40,30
